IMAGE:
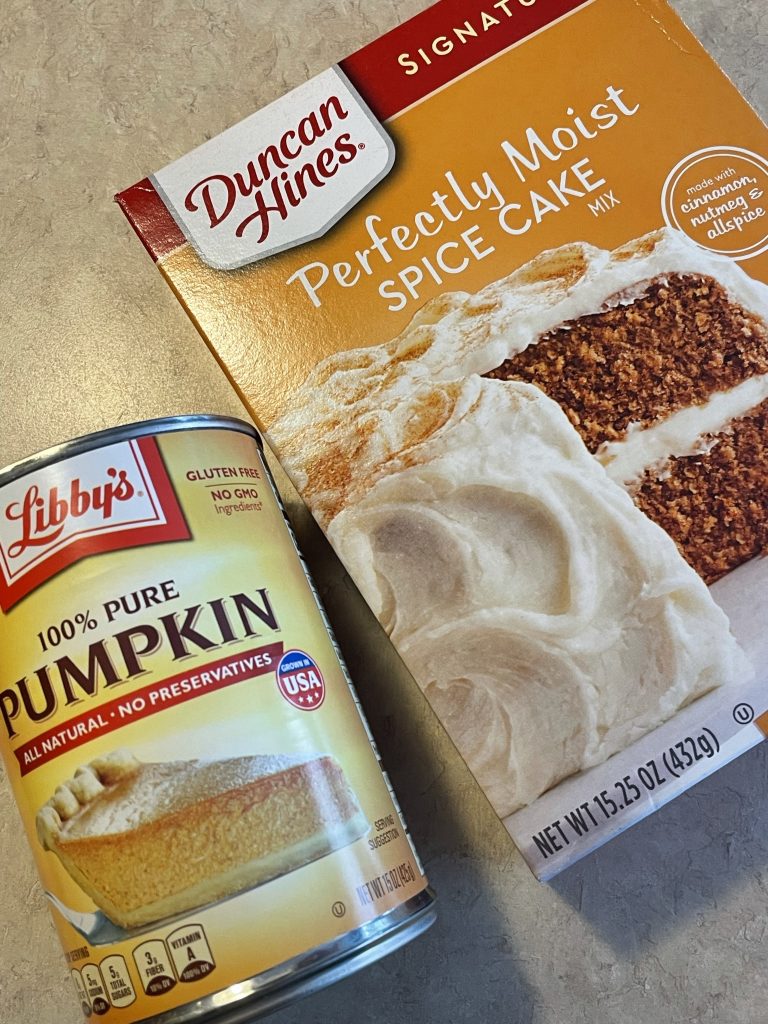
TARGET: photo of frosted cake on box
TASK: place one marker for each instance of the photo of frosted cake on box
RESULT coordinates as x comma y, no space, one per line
533,485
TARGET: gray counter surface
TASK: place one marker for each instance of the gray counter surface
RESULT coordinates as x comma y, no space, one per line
667,924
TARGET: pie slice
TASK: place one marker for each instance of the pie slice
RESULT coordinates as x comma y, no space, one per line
148,841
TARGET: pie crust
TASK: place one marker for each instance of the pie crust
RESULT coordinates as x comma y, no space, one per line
147,841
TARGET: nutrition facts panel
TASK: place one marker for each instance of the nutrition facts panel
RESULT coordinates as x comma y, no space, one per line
160,964
101,986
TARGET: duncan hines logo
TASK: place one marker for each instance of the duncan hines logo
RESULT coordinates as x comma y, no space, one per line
281,177
110,498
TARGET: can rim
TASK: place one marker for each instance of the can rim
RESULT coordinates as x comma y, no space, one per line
311,971
125,432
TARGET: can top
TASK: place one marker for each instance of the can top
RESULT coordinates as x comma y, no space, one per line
88,442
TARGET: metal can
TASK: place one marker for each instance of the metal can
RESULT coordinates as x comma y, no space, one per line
196,778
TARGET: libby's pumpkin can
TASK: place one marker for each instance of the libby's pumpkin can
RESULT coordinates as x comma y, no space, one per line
204,801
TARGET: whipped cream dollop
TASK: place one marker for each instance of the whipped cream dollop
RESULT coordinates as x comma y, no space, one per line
549,622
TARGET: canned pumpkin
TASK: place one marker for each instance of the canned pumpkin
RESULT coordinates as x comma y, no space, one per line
201,792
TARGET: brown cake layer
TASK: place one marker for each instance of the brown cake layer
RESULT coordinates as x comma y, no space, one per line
681,340
715,505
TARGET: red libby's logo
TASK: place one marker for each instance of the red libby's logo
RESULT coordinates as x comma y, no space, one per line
114,497
43,520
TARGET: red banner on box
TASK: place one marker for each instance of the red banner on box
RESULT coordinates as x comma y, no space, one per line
442,43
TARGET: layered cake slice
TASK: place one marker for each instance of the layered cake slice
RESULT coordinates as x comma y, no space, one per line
148,841
660,362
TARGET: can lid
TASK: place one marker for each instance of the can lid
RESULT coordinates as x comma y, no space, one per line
112,435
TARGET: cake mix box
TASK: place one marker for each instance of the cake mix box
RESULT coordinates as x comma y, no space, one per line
495,288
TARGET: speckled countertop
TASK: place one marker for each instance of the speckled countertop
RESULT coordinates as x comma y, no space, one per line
666,925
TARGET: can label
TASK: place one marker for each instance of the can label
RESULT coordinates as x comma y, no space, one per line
191,765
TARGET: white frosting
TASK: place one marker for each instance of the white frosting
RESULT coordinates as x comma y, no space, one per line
686,432
458,334
561,285
475,333
549,622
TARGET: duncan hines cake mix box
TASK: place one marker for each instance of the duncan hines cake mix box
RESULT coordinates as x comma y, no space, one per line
495,288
